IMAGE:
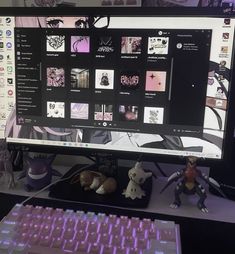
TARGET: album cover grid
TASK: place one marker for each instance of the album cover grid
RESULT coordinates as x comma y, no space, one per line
154,80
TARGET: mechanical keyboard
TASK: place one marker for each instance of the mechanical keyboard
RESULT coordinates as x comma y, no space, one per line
31,229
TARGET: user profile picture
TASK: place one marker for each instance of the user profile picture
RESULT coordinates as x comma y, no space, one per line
179,45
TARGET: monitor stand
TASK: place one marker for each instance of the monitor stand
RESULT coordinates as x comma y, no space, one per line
74,192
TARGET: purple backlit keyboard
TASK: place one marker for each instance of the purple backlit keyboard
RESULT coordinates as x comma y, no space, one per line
44,230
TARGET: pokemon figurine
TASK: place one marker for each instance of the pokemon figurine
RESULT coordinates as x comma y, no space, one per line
137,177
38,172
187,183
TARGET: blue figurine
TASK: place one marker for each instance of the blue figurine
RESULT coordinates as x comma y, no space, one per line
38,172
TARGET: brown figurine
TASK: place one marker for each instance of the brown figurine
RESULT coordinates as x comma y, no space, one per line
92,180
108,186
86,178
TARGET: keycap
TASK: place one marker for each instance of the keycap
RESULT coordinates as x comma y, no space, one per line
44,230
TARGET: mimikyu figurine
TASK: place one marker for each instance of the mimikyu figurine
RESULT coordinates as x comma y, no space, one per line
187,183
137,177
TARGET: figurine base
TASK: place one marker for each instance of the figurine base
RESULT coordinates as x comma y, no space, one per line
73,192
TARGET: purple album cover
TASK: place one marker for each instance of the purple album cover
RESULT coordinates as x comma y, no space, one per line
79,111
80,44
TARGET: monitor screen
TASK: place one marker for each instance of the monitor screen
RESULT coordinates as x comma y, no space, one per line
123,81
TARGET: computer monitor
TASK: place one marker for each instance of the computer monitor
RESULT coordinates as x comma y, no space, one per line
131,81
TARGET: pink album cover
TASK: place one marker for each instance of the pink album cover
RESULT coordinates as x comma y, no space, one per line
80,44
155,81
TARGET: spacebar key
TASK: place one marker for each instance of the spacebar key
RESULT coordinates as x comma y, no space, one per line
44,250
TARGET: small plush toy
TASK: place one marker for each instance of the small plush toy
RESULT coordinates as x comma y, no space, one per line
108,186
96,181
38,172
137,177
6,164
86,179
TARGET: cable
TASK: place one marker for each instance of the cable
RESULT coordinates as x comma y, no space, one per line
57,181
160,169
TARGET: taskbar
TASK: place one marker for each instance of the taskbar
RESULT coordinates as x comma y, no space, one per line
157,151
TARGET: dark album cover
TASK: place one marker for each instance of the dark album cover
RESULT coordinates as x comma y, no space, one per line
129,80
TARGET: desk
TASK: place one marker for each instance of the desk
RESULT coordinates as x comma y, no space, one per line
197,236
200,233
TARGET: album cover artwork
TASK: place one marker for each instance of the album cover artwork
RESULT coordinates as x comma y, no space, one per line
129,80
79,111
158,45
153,115
103,112
155,81
79,78
55,77
131,45
105,45
55,109
80,44
55,43
104,79
128,113
108,112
